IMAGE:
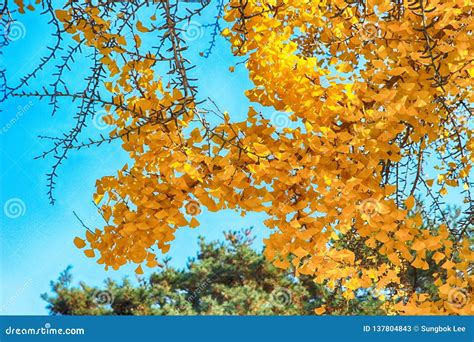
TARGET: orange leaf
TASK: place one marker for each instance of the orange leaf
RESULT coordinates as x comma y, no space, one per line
139,270
79,242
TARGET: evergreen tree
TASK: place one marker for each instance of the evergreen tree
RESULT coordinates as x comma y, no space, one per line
225,278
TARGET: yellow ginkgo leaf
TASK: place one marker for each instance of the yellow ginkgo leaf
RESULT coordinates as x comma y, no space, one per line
410,202
194,223
320,310
139,270
80,243
141,28
97,198
89,253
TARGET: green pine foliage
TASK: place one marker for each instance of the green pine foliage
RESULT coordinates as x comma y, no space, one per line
226,277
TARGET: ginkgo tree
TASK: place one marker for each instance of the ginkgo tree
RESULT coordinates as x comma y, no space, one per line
374,92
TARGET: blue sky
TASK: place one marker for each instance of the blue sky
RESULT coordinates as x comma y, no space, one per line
36,242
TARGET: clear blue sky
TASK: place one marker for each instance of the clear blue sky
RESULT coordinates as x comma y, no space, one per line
37,245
